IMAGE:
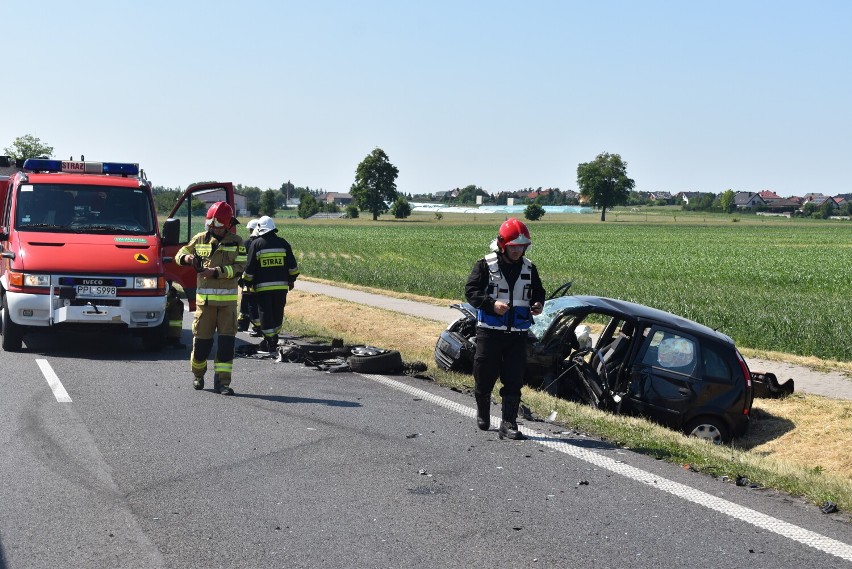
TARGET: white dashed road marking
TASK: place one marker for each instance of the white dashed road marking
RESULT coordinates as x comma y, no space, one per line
53,381
753,517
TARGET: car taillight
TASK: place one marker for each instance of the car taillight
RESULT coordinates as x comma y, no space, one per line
747,376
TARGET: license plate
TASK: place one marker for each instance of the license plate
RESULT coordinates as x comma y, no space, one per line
90,291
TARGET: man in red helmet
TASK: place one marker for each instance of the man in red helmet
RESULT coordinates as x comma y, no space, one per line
219,257
506,290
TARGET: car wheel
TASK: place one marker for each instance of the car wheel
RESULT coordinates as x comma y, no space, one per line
13,334
374,360
709,428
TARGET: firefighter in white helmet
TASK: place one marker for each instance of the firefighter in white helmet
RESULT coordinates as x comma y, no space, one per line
219,257
271,271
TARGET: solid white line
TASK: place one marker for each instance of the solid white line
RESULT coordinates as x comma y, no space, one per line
780,527
53,381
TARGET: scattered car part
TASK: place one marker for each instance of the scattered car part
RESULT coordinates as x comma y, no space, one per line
369,359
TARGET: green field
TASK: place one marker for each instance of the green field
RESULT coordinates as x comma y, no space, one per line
771,284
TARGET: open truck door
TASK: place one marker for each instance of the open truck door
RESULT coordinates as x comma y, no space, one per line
185,220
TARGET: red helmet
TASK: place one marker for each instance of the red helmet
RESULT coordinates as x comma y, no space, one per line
220,214
513,232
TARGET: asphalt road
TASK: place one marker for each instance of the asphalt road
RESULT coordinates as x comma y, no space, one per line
120,463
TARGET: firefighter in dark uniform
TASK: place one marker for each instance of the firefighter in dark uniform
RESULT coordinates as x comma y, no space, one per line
506,290
271,271
219,257
248,306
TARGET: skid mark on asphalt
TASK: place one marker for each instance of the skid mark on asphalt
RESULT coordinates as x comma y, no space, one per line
753,517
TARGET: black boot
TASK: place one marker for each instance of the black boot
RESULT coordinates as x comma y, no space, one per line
509,425
483,412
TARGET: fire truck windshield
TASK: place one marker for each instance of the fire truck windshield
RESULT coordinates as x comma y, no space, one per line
71,208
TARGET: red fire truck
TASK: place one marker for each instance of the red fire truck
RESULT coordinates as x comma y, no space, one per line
81,248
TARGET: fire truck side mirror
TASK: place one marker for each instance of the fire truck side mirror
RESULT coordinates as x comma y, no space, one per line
171,231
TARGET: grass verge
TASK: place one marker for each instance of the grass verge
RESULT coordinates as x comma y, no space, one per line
797,445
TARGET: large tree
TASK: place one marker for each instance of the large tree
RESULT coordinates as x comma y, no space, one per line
28,146
267,203
604,182
375,183
728,201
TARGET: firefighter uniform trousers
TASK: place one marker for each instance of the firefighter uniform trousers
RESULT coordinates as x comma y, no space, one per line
208,319
216,303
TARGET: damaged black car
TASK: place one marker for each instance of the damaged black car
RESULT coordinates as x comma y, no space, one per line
629,358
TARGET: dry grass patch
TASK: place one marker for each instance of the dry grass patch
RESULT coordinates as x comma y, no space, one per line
811,431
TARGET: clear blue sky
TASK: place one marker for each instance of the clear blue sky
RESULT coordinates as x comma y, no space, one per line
706,96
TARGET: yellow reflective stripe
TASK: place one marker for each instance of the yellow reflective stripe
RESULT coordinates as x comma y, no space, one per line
218,297
271,286
199,366
176,323
294,272
216,291
219,367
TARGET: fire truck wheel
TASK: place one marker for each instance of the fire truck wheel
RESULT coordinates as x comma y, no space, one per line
13,334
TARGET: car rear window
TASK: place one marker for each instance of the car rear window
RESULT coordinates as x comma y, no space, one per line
715,366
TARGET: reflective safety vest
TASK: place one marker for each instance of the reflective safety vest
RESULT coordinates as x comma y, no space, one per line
517,318
227,256
271,265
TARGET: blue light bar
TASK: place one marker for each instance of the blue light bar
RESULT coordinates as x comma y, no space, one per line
73,167
121,168
42,165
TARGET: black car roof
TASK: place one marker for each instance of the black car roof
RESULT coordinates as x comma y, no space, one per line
640,311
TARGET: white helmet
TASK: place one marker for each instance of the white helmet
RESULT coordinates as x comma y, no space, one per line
251,225
264,225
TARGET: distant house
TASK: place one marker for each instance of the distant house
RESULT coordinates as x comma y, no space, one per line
811,197
240,201
821,200
448,195
665,196
748,200
336,198
774,202
769,196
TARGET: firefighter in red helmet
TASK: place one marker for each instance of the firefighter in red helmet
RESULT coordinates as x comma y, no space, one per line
219,257
506,290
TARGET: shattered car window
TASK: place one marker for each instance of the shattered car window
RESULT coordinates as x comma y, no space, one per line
671,352
552,308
